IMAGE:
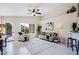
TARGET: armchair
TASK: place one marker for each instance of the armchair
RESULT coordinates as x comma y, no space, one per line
54,38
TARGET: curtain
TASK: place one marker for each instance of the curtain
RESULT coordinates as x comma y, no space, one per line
31,28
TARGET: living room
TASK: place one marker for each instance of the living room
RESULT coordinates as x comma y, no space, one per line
52,17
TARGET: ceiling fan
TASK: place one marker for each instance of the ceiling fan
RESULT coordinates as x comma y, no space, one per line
34,12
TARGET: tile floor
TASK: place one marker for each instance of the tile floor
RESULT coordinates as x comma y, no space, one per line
37,47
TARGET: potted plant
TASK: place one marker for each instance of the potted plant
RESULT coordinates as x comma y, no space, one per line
74,26
39,29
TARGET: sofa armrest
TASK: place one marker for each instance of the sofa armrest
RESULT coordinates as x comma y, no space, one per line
40,36
50,39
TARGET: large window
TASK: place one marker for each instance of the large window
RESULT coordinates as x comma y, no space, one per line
27,28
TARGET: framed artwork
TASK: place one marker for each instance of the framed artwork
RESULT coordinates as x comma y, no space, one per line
49,26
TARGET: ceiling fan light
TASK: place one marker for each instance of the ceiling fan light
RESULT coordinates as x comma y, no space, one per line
34,14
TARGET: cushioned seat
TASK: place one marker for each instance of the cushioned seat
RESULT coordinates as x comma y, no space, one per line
54,38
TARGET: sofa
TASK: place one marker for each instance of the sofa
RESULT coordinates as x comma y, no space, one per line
23,37
52,37
42,36
55,38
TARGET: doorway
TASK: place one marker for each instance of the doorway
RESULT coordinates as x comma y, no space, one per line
8,29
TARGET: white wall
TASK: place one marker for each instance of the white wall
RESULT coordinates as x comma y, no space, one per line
15,21
62,24
0,19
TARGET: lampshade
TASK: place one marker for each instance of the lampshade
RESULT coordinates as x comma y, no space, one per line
2,25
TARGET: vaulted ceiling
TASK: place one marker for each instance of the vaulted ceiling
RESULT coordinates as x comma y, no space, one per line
21,9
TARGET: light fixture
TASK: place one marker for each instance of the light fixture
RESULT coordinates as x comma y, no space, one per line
2,26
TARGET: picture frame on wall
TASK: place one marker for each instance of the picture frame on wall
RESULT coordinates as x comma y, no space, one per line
49,26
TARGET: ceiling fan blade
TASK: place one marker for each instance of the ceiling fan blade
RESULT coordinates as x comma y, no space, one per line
38,13
29,13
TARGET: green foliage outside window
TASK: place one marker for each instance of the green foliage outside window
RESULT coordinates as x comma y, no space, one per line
8,26
24,29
